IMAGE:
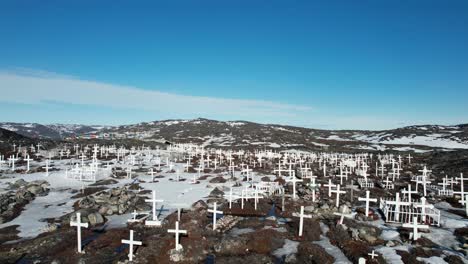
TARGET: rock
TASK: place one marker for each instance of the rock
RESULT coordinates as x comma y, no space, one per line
50,228
355,249
176,255
231,246
344,209
114,201
103,210
200,205
116,191
338,235
95,219
35,189
390,244
218,179
309,208
24,194
310,253
216,193
87,202
265,179
18,183
226,223
369,238
264,241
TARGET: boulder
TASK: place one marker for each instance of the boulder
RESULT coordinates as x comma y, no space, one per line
95,219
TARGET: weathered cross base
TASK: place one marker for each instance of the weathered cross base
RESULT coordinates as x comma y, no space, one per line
153,223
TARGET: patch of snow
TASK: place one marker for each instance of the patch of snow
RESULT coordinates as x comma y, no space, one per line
442,237
390,255
241,231
324,242
411,149
234,124
432,260
390,235
289,247
427,141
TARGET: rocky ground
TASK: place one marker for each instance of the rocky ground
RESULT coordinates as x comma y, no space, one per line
268,234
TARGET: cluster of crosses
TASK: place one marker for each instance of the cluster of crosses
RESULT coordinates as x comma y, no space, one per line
336,171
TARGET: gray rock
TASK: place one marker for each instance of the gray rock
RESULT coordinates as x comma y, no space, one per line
95,219
309,208
35,189
344,209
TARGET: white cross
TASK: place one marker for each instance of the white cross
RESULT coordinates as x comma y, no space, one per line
338,192
215,212
329,185
314,185
230,198
153,201
47,168
256,197
129,172
462,188
465,202
27,159
177,231
151,172
342,216
397,204
425,171
373,255
293,180
342,175
199,169
423,207
367,199
444,183
409,192
12,159
131,243
83,157
279,170
78,225
415,227
388,183
134,214
301,219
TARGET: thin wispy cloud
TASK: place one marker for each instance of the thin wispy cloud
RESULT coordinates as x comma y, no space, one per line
38,87
41,91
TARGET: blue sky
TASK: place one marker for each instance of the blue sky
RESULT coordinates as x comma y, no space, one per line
329,64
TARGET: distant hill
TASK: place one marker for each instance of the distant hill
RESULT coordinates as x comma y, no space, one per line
53,131
244,134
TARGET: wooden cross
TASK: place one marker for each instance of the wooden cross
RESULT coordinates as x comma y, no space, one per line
215,212
177,231
131,243
78,225
301,216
